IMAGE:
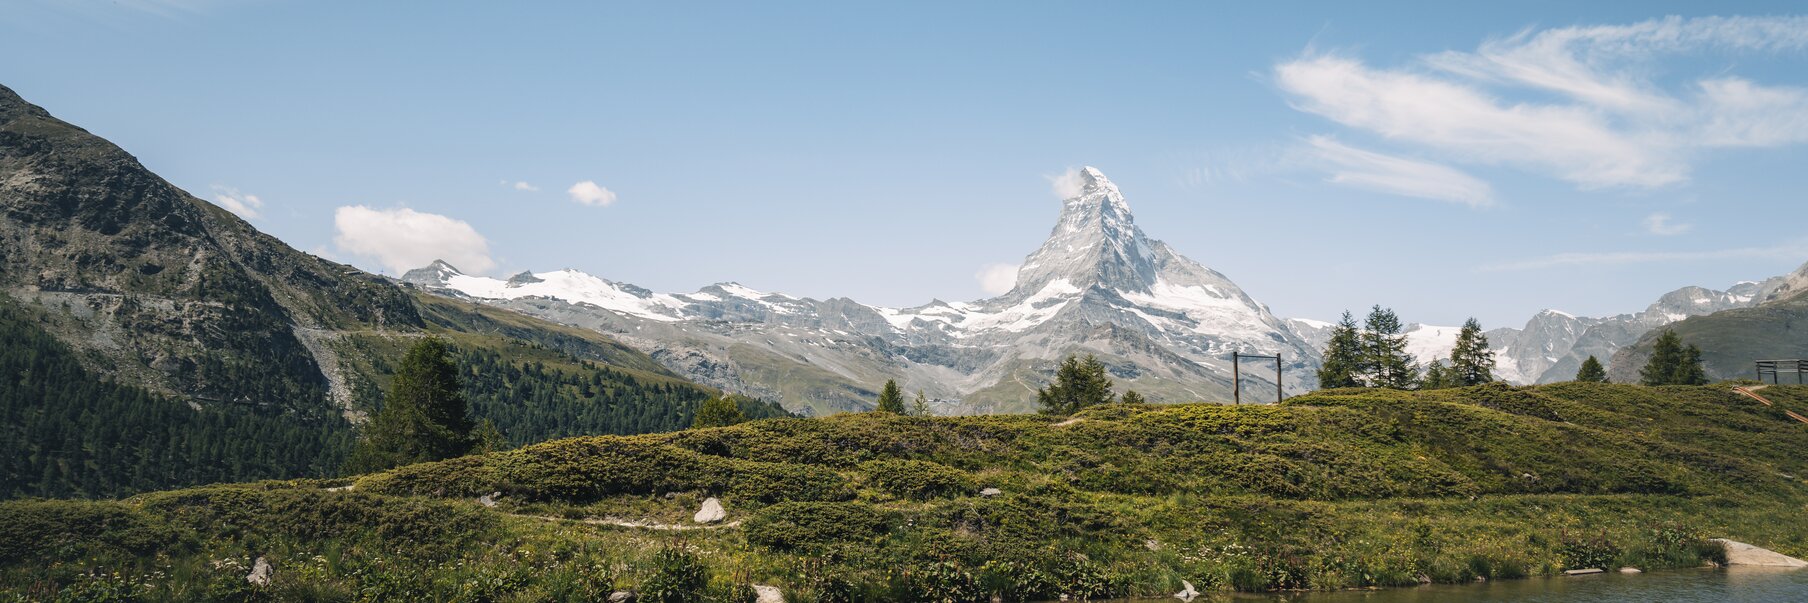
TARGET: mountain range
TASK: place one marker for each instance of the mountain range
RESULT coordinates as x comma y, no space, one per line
1163,324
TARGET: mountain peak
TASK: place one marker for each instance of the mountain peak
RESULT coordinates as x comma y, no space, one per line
1094,242
436,274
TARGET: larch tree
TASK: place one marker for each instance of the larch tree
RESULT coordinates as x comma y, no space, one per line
1471,362
891,398
424,416
1078,384
1591,371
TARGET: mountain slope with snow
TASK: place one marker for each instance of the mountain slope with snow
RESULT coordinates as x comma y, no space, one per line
1164,324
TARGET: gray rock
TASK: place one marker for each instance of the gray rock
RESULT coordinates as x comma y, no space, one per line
488,500
711,512
1739,553
260,573
768,594
1187,593
621,596
1631,570
991,493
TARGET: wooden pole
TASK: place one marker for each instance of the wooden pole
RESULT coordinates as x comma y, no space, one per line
1279,392
1236,380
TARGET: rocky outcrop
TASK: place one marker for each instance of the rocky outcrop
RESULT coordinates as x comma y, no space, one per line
1739,553
711,512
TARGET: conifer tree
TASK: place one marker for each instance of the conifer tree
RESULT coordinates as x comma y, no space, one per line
891,399
1471,362
423,417
1385,362
1131,397
1078,384
1667,356
1436,376
1343,356
1690,371
719,411
1591,371
920,406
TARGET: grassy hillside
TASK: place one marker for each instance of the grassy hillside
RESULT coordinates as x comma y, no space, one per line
1337,489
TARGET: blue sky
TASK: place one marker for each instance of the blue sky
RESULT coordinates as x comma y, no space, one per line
1445,159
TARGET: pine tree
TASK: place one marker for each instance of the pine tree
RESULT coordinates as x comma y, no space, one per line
1591,371
891,399
1437,377
1343,356
1385,362
1131,397
1078,384
424,416
920,406
719,411
1667,356
485,437
1471,362
1690,371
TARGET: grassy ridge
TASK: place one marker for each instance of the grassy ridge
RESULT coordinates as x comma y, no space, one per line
1337,489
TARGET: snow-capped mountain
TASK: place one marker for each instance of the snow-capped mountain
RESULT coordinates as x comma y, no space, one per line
1553,344
1164,324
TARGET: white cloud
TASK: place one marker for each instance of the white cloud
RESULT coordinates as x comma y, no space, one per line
402,239
1399,175
996,279
1067,185
1662,224
1790,251
520,186
246,206
1611,123
588,193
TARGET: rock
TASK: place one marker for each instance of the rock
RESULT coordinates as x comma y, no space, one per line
1739,553
621,596
991,493
260,573
1631,570
488,500
768,594
711,512
1154,545
1187,593
1584,571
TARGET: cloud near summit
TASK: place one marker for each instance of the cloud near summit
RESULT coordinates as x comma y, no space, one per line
1584,105
402,239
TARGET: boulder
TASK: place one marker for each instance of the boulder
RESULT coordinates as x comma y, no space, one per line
991,493
1631,570
488,500
621,596
711,512
260,573
1187,592
768,594
1739,553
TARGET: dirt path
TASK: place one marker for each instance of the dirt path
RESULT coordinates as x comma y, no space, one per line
628,523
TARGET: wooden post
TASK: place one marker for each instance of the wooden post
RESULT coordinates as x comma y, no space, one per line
1279,392
1236,380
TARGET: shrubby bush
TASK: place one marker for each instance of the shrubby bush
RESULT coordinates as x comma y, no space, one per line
798,525
920,480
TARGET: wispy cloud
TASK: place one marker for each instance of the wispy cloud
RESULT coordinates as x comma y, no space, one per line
1612,122
402,239
996,279
1663,225
249,207
1066,185
590,193
1380,172
1789,251
520,185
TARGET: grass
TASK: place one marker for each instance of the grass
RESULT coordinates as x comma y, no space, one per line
1337,489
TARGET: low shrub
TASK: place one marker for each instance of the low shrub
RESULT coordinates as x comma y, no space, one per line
677,577
795,525
49,530
920,480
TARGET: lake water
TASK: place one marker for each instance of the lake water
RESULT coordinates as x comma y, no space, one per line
1739,584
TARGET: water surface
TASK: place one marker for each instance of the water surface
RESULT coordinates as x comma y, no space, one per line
1739,584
